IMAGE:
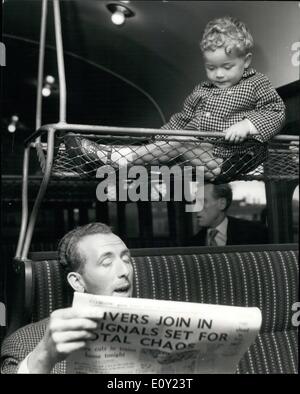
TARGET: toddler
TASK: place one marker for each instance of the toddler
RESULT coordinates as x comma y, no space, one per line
235,100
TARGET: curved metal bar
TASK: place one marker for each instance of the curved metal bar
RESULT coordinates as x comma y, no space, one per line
60,63
41,193
28,291
39,97
28,227
38,122
24,219
100,67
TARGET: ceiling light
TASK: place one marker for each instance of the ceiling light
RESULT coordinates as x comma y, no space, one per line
118,18
12,127
48,84
119,13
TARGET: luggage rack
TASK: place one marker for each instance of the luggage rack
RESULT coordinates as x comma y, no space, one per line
277,160
281,160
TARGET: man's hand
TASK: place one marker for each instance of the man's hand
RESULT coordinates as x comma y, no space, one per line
238,132
68,330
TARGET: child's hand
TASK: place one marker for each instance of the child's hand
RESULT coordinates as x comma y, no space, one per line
238,132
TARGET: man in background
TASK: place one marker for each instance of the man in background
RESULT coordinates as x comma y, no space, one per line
219,229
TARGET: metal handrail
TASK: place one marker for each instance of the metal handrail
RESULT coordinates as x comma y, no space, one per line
39,97
27,227
24,217
60,63
136,131
41,193
38,122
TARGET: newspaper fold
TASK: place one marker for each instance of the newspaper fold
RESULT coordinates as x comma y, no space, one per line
140,336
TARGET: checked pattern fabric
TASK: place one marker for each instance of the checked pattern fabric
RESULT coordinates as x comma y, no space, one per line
211,109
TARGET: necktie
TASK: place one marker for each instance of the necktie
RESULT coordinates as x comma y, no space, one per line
211,237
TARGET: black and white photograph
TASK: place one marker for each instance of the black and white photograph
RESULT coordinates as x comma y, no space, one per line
149,190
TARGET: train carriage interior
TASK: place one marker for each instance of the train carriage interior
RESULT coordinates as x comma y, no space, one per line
113,72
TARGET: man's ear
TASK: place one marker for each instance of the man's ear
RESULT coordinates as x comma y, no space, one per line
222,202
248,59
76,282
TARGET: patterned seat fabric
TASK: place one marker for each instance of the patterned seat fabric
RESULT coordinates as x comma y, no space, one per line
266,279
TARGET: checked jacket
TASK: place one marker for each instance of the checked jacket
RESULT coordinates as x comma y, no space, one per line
210,109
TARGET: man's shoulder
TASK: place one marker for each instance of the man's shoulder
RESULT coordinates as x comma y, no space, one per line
20,343
28,335
35,326
198,239
245,223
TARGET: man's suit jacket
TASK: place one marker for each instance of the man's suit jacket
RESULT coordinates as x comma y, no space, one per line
239,232
22,342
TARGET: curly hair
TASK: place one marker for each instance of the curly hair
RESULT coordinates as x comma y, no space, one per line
228,33
69,256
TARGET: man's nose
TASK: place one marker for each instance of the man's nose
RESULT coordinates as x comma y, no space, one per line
124,268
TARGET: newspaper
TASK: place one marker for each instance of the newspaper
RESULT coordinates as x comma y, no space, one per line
141,336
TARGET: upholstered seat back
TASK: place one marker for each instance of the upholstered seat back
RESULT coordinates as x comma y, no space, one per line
268,280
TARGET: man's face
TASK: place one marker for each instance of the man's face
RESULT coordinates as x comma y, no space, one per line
107,269
225,70
212,212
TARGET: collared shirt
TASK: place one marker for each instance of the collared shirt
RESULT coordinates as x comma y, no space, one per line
221,236
211,109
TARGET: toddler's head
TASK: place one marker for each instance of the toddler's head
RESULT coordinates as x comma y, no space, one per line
226,46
